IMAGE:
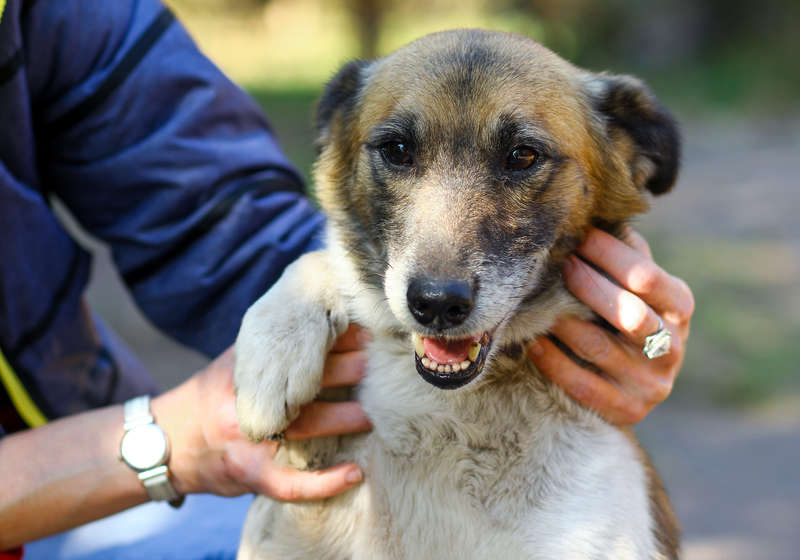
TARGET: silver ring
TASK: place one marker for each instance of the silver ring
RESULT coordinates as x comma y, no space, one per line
659,343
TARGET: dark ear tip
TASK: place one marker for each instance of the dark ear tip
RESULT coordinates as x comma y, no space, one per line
667,155
629,104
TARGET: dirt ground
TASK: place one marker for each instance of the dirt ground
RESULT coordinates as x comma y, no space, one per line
732,473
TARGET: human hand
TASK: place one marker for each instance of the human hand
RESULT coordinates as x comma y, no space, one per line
631,385
209,453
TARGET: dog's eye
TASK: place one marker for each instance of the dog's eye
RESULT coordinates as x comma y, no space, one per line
521,157
397,153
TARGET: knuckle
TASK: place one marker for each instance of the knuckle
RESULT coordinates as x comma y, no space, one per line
288,492
658,390
686,304
582,393
579,391
631,413
593,346
647,278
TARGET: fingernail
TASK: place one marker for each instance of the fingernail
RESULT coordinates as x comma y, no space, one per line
355,475
536,349
363,336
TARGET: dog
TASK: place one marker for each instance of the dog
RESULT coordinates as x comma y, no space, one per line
457,174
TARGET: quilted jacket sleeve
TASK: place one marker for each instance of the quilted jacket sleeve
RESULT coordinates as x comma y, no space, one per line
156,152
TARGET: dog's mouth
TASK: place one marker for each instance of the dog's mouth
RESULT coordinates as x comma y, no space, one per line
450,363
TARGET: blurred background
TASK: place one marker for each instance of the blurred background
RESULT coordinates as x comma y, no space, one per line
728,440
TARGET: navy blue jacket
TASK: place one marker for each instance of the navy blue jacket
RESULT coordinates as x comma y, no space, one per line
110,108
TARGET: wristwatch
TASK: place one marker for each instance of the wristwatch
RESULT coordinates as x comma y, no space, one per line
145,449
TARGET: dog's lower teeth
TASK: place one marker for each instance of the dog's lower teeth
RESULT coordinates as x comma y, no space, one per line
472,356
474,350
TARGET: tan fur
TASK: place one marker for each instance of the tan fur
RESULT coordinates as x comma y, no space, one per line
506,466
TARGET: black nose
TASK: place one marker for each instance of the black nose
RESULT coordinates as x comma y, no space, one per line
440,303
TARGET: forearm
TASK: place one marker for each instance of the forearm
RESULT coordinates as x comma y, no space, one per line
62,475
68,473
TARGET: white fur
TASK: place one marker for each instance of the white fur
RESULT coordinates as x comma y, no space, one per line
505,467
281,348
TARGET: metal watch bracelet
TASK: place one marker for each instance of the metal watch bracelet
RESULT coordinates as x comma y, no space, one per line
145,449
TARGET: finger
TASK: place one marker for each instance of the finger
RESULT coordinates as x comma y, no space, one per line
354,338
319,419
290,485
584,386
595,345
648,380
638,274
623,309
344,369
635,241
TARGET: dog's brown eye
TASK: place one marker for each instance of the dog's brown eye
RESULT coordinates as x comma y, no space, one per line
397,153
521,158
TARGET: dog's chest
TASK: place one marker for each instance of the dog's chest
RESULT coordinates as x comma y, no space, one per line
493,449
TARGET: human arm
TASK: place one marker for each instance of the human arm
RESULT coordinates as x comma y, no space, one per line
631,385
156,152
70,467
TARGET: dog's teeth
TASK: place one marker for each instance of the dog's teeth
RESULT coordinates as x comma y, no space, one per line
433,366
456,368
440,369
426,362
419,348
465,364
448,368
474,350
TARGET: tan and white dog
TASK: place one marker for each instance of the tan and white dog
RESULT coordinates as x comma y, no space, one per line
457,174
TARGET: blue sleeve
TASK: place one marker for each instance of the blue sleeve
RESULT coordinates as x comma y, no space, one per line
156,152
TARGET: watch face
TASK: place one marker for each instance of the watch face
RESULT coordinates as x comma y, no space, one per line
144,447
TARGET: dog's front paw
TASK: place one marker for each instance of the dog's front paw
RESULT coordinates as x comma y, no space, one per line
280,352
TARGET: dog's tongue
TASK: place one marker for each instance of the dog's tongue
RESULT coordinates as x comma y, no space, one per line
447,351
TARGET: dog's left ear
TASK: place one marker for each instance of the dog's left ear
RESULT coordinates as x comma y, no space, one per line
338,100
629,108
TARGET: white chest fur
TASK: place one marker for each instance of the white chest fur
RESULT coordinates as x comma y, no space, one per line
506,467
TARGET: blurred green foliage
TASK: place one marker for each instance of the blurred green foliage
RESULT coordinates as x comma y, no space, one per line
700,56
745,330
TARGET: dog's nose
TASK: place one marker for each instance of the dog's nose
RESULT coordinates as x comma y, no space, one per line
440,303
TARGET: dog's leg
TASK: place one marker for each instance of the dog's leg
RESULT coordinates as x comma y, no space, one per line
282,344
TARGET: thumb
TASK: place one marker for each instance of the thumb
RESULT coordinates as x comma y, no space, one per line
252,465
292,485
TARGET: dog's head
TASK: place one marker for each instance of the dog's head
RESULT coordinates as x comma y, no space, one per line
459,171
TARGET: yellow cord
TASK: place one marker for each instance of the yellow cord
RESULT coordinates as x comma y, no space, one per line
20,398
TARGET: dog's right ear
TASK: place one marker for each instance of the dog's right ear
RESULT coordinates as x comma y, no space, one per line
629,108
338,100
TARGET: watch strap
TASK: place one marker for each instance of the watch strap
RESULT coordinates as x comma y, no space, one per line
159,487
156,481
137,412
